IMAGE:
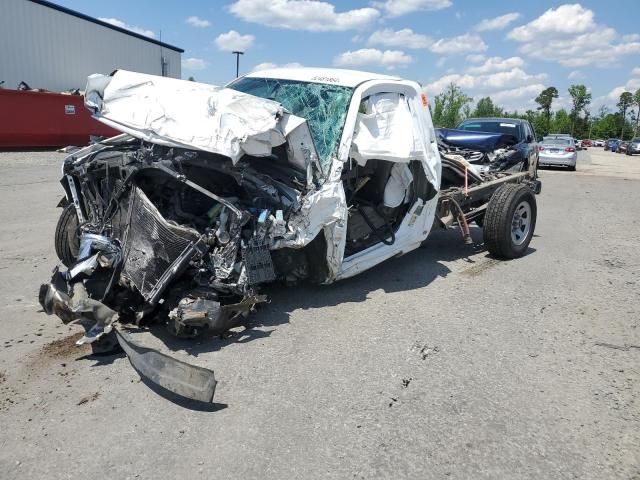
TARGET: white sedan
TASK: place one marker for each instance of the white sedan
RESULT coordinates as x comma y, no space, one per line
558,151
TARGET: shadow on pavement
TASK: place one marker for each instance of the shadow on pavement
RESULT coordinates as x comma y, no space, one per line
416,269
182,401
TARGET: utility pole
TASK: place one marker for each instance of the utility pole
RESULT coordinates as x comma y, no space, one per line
237,54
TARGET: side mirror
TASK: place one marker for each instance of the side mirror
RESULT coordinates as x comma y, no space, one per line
529,138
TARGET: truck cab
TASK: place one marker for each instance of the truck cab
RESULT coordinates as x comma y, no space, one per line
378,153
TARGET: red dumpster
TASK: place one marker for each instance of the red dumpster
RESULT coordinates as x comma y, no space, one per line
46,119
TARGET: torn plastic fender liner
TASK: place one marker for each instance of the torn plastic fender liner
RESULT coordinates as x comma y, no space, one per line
189,381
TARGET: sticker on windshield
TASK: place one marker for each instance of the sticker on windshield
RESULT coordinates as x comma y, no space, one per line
325,79
511,125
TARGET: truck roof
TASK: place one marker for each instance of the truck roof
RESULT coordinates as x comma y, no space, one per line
333,76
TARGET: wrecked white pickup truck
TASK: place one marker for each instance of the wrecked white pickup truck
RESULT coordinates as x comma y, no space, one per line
285,175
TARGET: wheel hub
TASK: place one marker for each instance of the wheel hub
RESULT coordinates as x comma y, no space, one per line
521,223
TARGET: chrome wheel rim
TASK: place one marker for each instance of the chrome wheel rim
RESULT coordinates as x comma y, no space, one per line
521,223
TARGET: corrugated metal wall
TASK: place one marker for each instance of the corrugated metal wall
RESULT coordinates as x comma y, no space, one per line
53,50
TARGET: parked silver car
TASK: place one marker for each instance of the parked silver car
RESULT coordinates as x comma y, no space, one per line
558,151
634,146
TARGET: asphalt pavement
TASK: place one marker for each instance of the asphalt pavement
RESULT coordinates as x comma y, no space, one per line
443,363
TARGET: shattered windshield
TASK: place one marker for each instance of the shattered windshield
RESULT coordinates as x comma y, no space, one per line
324,107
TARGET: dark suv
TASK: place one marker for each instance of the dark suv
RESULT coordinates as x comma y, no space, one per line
520,129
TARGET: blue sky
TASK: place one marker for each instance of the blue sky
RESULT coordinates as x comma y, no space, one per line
509,50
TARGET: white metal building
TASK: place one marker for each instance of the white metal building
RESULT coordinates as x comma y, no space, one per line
51,47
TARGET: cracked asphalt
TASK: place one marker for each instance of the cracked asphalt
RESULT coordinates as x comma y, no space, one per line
443,363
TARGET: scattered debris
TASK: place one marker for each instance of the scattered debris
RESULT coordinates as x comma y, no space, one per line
406,382
64,347
480,268
88,398
425,350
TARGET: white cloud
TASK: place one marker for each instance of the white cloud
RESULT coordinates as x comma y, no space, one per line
119,23
270,65
475,58
497,23
633,37
460,44
441,61
198,22
566,19
232,41
406,38
513,88
513,78
310,15
591,48
631,86
396,8
635,72
372,56
496,64
525,91
569,35
575,75
194,63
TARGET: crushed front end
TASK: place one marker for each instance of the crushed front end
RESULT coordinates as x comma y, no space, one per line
166,234
181,219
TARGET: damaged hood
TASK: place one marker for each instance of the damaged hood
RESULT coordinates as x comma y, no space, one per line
481,141
185,114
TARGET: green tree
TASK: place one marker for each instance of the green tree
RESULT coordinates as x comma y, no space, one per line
561,122
636,101
580,98
449,107
606,126
486,108
586,133
626,100
545,99
191,79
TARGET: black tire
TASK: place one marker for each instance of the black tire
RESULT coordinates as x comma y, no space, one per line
572,168
499,218
67,236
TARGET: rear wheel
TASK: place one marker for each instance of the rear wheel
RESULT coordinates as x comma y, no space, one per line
510,221
67,236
